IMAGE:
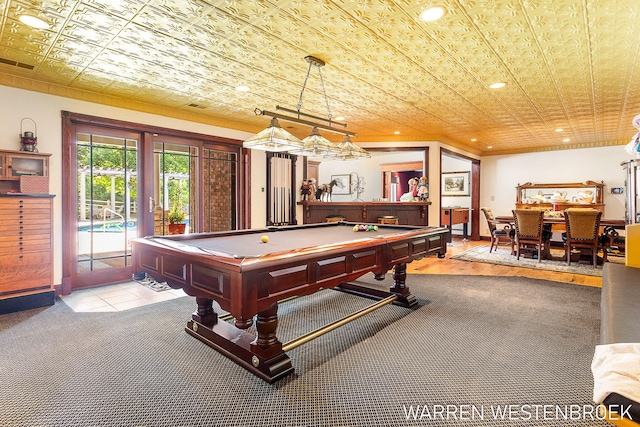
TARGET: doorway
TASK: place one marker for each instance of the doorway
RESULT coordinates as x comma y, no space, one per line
467,170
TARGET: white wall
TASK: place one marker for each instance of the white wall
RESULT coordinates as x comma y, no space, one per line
499,176
455,164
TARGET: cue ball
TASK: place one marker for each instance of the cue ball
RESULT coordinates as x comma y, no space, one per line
264,239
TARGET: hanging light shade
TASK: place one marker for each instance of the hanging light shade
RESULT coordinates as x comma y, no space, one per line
274,138
317,145
350,151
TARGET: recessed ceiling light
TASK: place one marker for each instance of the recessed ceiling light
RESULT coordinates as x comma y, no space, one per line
339,118
497,85
34,22
397,132
432,14
489,146
474,139
566,140
242,88
559,130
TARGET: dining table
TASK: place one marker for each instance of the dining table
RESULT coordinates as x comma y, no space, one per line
610,227
604,222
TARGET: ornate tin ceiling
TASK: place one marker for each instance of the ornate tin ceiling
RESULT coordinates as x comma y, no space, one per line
569,64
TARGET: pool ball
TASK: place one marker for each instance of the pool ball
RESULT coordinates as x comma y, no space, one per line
264,239
355,228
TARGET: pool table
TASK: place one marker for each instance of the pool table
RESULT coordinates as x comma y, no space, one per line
247,277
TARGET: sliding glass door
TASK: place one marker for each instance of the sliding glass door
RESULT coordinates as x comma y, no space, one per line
107,203
123,180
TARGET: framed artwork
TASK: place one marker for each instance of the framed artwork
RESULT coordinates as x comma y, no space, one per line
455,184
342,184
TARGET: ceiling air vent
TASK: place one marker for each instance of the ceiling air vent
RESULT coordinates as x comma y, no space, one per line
16,64
202,107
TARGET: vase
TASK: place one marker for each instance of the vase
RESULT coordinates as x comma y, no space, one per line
177,228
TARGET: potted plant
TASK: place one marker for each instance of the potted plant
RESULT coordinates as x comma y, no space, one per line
176,217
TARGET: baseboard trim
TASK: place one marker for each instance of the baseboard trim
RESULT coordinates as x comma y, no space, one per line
27,302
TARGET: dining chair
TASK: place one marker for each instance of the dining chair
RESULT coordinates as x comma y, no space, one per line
504,233
583,225
530,234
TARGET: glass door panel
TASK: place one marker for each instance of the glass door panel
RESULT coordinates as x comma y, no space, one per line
107,209
176,189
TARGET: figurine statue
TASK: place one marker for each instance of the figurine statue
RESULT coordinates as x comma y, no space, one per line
305,190
312,183
413,188
423,188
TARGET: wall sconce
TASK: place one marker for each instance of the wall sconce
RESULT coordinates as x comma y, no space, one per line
29,140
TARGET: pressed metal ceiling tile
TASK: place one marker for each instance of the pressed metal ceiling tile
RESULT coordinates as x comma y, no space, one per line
566,63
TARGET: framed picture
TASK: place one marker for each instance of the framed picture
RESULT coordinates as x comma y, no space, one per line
455,184
341,184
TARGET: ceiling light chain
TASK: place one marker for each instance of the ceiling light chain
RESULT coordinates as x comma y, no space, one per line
312,60
326,100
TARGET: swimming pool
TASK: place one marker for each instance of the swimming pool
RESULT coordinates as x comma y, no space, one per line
110,227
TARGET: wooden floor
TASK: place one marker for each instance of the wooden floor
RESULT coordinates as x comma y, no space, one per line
453,266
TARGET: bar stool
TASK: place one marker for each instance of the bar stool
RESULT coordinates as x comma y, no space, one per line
334,218
388,219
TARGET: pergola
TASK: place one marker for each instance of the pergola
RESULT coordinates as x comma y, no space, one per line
114,173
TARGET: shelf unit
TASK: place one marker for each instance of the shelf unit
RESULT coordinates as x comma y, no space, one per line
526,192
15,164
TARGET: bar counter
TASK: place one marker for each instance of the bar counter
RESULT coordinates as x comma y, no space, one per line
408,213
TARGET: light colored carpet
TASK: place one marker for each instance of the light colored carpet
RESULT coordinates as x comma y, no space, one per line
502,256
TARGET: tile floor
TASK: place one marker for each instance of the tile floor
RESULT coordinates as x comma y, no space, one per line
118,297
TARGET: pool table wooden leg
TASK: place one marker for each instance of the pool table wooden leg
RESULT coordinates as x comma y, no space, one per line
205,314
261,355
399,286
268,357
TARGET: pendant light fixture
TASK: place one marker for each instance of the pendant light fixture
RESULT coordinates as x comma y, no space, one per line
317,145
274,138
350,151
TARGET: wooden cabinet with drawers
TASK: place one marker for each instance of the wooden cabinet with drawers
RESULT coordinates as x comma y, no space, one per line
26,251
